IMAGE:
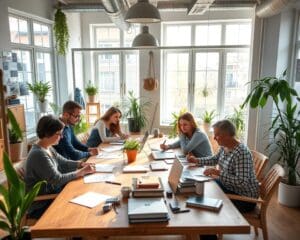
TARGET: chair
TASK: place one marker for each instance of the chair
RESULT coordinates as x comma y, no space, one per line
258,217
260,162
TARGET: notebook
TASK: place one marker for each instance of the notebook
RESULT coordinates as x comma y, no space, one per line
204,202
147,208
161,155
175,174
146,135
158,166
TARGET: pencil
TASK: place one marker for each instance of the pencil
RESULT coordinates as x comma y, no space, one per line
116,183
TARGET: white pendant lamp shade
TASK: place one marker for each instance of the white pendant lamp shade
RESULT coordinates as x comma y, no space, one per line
144,39
142,12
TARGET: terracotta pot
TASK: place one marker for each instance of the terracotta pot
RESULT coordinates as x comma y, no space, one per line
131,155
15,150
91,98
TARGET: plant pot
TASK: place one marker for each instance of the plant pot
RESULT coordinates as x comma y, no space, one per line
43,106
91,98
207,127
289,195
15,150
133,127
131,155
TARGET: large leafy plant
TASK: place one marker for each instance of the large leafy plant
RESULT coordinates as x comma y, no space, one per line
15,201
237,118
14,130
285,126
40,89
61,32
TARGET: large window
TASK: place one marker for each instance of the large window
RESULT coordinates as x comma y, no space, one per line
31,42
210,76
116,71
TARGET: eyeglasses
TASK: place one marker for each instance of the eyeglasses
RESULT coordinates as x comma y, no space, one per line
75,116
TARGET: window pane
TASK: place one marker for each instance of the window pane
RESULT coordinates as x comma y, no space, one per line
236,88
175,90
18,30
238,33
206,82
107,37
132,73
108,70
208,35
129,36
41,35
178,35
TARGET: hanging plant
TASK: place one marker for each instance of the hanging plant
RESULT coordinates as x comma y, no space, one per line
61,32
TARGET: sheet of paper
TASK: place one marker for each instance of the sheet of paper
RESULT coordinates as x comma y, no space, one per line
90,199
110,149
98,177
135,169
106,168
109,155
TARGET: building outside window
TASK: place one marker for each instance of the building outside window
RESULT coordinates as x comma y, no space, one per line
31,42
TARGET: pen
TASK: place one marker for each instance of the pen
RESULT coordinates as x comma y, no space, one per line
181,211
164,142
111,182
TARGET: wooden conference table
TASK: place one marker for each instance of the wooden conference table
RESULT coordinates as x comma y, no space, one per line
64,219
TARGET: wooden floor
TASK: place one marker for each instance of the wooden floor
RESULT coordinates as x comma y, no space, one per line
284,223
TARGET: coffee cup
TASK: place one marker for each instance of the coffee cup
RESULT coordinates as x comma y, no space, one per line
126,191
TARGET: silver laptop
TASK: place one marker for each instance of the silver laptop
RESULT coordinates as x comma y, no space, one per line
144,140
175,174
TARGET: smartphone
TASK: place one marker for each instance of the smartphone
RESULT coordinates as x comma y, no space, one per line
174,206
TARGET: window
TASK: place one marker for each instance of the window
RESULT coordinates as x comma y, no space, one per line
110,65
31,42
205,78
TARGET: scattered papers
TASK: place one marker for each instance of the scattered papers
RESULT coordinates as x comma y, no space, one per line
112,149
135,169
97,177
90,199
106,155
105,168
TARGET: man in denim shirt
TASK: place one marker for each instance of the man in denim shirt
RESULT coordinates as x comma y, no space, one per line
69,146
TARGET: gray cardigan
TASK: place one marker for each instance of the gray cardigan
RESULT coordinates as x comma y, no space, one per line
198,145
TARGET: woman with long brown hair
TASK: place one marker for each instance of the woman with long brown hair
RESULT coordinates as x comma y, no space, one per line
191,139
107,128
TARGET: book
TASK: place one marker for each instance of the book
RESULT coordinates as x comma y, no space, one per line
147,220
147,208
147,182
147,192
204,202
158,166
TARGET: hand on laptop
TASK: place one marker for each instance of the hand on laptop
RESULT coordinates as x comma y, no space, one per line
93,151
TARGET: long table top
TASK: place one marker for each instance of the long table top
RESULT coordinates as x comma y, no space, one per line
63,218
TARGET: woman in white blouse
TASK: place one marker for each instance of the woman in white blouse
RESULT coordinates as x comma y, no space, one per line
107,128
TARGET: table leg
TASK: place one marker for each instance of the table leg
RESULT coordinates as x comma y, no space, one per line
192,236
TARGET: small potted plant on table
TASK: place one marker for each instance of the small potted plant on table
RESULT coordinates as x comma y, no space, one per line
40,90
91,91
131,148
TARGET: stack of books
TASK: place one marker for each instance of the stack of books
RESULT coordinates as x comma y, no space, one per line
186,183
145,210
147,186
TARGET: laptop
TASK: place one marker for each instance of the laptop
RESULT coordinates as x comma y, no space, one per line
161,155
175,174
144,140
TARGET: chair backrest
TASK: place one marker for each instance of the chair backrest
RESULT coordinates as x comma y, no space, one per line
270,182
260,161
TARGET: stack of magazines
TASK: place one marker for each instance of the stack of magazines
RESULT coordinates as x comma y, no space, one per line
147,186
143,210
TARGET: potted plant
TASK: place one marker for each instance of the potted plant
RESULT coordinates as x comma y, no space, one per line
237,118
15,137
131,147
91,91
61,32
207,118
174,123
40,90
14,202
285,129
135,113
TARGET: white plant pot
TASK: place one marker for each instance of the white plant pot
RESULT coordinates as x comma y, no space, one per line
289,195
43,106
207,127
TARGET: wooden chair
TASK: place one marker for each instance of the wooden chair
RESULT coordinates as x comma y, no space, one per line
258,217
260,162
83,137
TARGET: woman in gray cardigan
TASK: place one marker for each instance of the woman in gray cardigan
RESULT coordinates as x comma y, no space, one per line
44,163
191,139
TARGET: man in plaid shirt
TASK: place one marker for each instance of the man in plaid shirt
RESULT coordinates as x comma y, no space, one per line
235,173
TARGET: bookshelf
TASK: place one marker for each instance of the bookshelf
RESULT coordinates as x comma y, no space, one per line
92,112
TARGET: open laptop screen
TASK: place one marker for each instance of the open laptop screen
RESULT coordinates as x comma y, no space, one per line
175,174
146,135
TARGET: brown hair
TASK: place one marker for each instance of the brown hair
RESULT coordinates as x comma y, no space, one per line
70,106
114,128
48,125
188,117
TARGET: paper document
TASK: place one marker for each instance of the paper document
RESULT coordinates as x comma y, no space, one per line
109,155
97,177
112,148
105,168
135,169
90,199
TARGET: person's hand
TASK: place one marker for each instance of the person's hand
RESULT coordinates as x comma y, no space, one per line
86,169
124,136
93,151
192,159
164,146
83,164
213,172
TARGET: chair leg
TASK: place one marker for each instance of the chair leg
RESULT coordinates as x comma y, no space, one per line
220,236
256,231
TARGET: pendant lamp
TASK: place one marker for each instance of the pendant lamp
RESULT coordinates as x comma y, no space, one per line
144,39
142,12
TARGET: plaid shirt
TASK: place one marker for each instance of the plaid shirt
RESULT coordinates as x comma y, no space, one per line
237,171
